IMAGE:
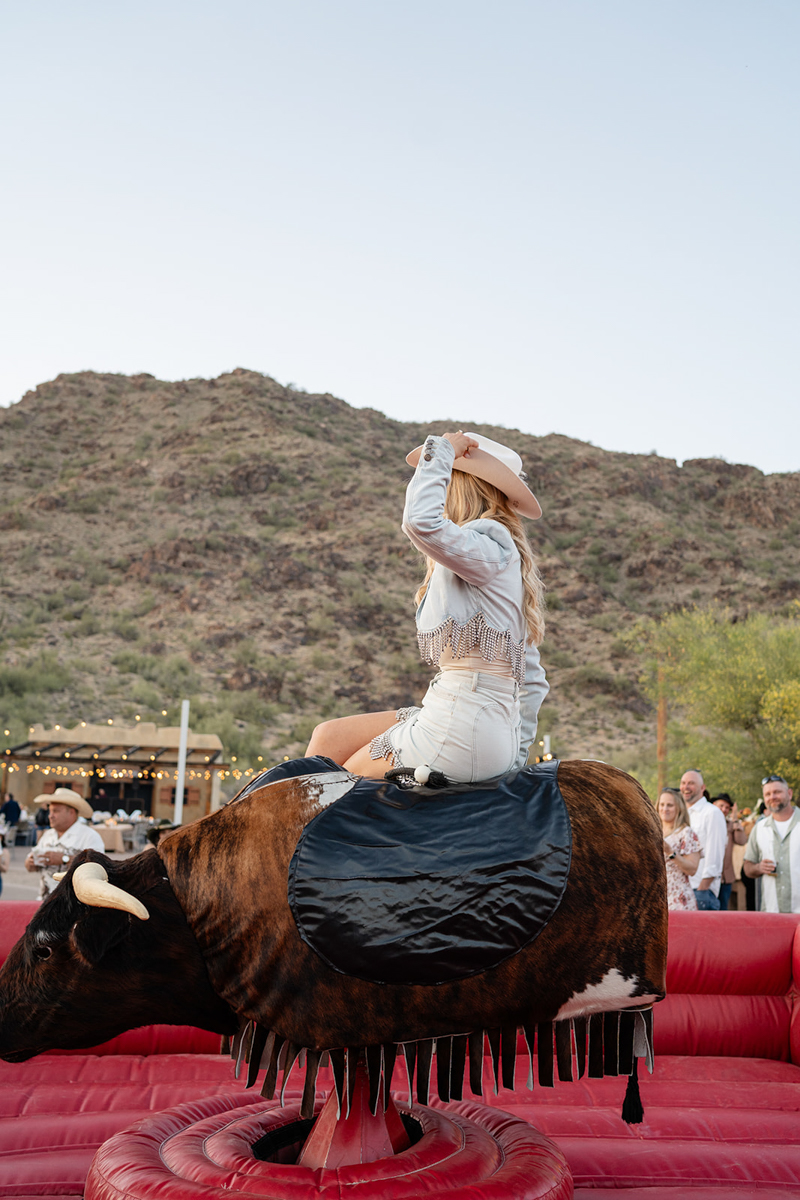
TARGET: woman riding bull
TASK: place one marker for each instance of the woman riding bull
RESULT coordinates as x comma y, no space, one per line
480,618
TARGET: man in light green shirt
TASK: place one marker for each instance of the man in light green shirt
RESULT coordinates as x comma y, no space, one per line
773,849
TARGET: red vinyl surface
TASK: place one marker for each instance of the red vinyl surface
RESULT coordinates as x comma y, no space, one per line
15,916
203,1152
752,954
722,1110
740,1026
703,1117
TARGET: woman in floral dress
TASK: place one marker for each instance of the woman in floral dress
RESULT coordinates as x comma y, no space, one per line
682,849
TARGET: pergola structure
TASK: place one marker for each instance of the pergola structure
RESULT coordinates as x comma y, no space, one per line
119,763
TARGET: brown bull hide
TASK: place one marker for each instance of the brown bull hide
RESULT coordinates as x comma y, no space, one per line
604,949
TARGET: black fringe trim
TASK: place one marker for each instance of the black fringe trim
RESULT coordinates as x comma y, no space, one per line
606,1043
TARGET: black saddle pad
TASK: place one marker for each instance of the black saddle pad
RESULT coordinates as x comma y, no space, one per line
426,887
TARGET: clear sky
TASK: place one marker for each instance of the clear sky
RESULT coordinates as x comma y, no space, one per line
577,216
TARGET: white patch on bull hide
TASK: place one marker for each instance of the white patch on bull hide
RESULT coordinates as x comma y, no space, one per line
613,991
322,790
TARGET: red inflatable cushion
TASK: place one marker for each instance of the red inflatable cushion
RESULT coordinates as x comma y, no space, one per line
16,915
738,1026
731,954
204,1152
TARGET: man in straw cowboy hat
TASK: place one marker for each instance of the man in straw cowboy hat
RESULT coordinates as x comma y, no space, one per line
480,620
65,838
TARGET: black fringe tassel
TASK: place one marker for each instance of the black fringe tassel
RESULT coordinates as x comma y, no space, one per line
632,1111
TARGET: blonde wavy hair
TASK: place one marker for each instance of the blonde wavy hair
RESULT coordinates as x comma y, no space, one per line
682,818
469,498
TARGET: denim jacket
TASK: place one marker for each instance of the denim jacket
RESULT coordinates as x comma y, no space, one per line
474,597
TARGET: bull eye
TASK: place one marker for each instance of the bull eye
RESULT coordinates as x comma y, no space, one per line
42,952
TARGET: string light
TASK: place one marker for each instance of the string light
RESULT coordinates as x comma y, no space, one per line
132,773
96,770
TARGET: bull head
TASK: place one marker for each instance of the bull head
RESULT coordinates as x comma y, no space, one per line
95,961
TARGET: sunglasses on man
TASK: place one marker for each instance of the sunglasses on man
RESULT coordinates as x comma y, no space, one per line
773,779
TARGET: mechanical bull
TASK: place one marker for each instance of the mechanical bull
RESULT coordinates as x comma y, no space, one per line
323,914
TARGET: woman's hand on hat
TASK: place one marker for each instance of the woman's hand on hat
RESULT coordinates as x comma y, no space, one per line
462,443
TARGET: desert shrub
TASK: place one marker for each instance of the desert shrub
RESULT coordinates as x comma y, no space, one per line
605,621
88,625
145,695
131,662
552,656
144,604
82,666
178,677
565,541
320,627
76,592
125,627
321,660
91,502
303,728
97,574
249,707
239,738
591,679
175,675
42,674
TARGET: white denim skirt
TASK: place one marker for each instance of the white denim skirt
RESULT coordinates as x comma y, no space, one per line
468,727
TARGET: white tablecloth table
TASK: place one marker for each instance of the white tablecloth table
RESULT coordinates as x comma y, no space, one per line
112,836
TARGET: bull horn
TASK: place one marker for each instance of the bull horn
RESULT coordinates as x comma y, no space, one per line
91,886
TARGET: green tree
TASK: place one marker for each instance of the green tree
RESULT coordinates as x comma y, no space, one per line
733,690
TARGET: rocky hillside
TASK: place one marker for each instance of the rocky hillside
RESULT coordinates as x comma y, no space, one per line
238,542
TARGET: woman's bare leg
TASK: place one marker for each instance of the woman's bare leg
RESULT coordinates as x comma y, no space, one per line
361,763
344,737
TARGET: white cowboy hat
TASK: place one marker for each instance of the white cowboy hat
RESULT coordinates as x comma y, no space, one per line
499,465
66,796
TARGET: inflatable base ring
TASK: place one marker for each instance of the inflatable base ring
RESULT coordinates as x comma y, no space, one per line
235,1146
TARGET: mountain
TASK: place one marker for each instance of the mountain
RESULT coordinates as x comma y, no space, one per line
239,543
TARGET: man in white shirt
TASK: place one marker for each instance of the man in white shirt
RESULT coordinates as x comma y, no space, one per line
773,854
709,825
65,838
